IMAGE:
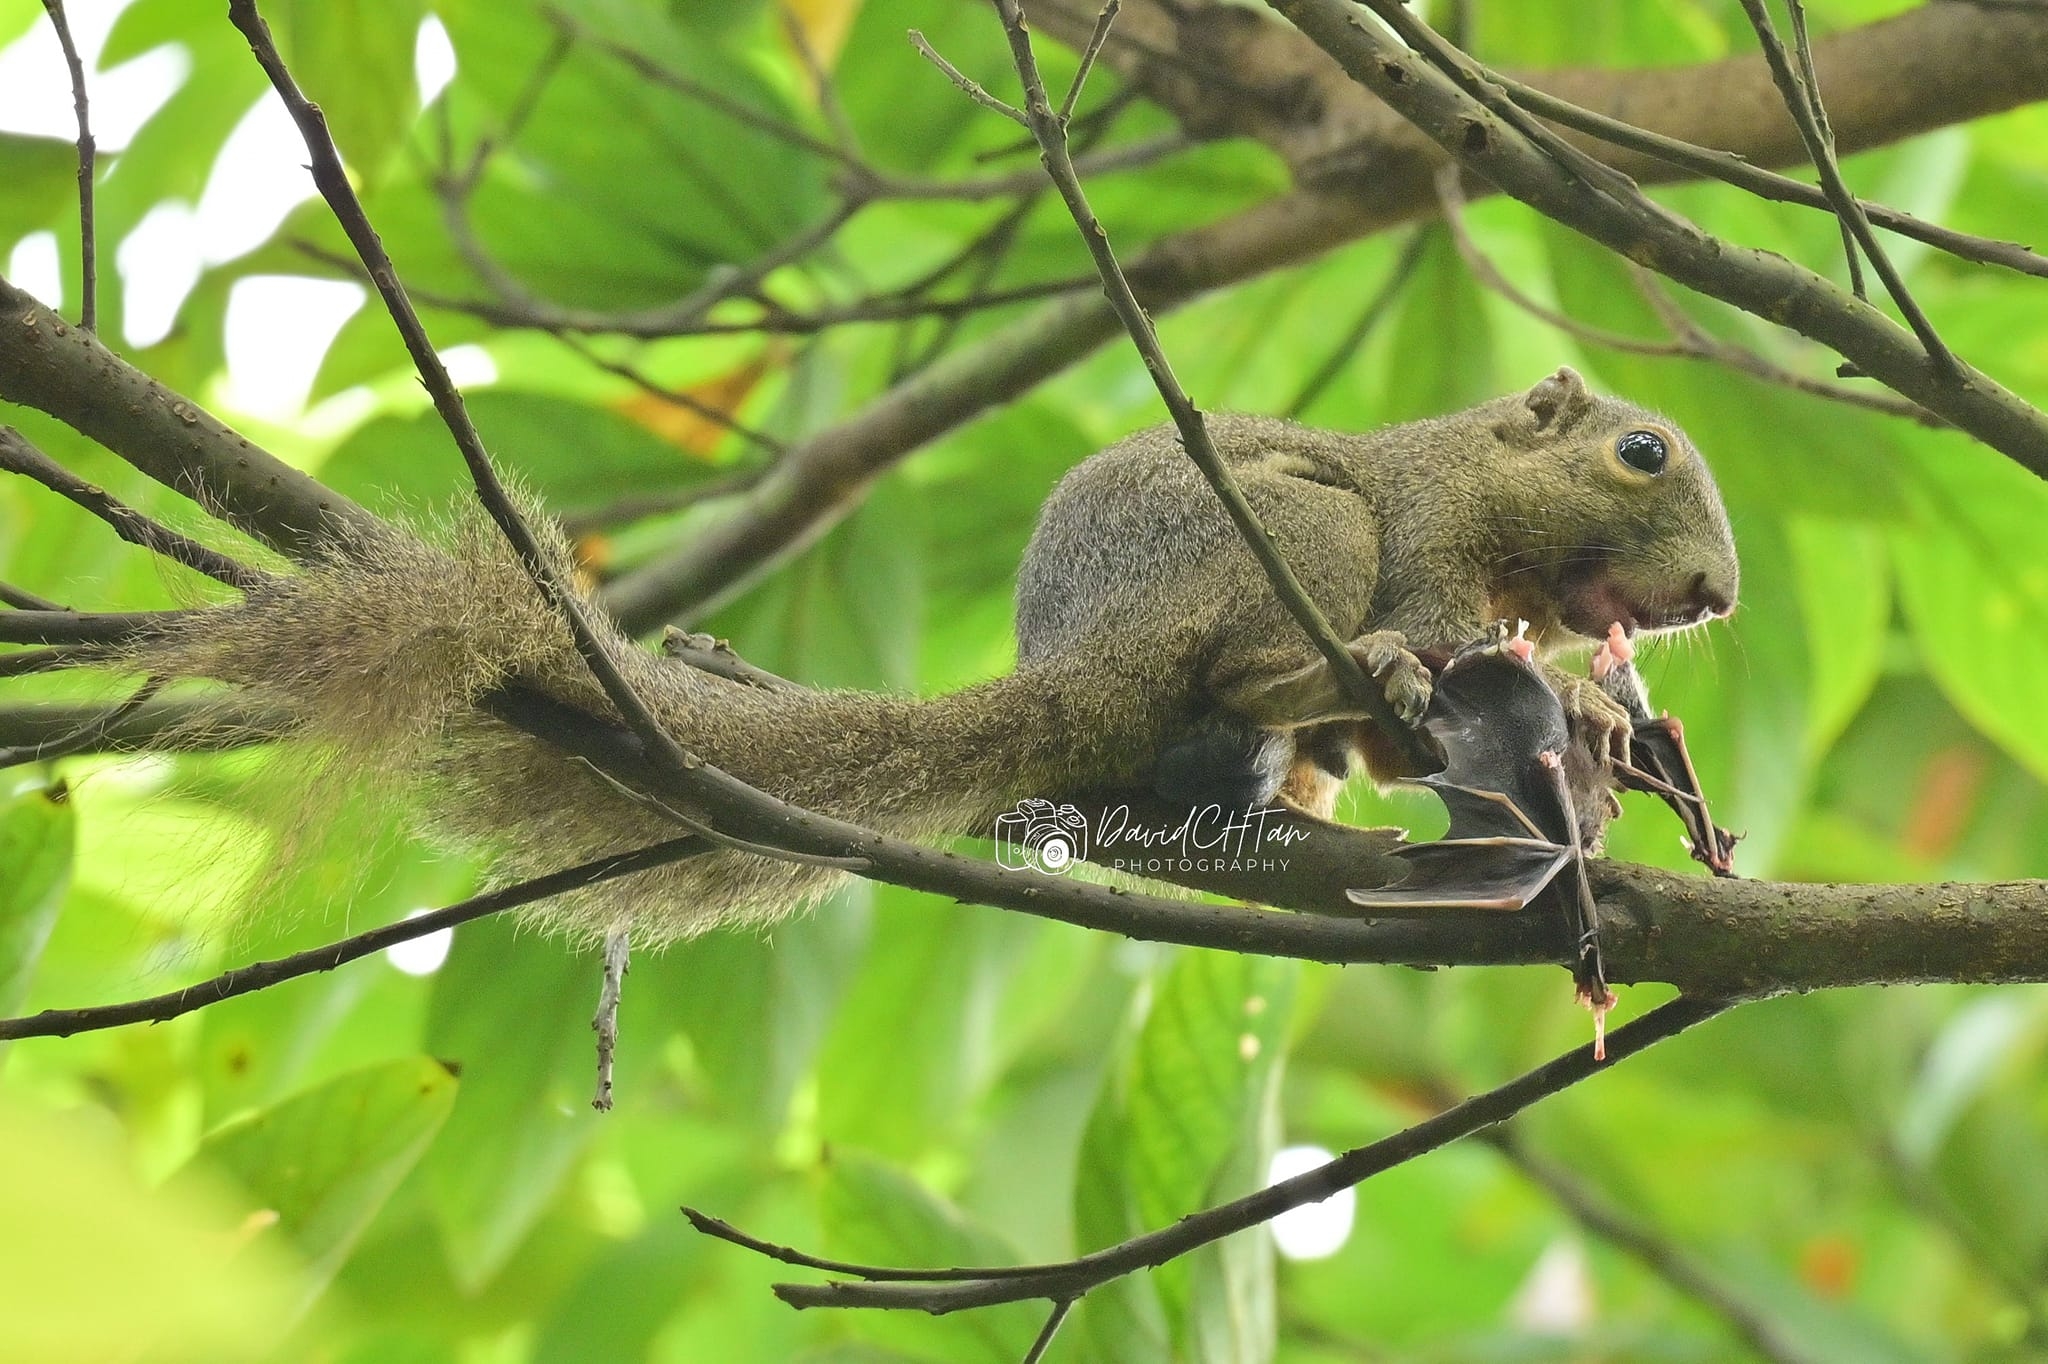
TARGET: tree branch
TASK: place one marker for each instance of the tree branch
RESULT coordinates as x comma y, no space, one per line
1049,128
88,239
1621,219
959,1289
1380,172
56,368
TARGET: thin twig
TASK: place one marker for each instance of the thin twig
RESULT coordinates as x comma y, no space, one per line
1352,680
1661,1256
617,950
19,457
264,974
1706,346
1802,103
24,600
1738,171
86,737
1803,46
1060,1308
968,85
674,397
30,662
82,627
1376,311
956,1289
1103,21
641,506
1686,340
822,86
88,246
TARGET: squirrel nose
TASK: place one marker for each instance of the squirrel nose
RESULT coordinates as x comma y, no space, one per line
1712,599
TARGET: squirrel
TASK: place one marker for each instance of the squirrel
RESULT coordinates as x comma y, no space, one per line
1152,653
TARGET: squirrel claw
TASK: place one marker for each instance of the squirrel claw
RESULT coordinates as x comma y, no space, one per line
1403,677
1597,719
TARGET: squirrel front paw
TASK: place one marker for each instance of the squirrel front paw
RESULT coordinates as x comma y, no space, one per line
1402,676
1598,721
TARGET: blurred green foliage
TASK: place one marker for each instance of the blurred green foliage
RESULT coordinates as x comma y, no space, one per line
371,1166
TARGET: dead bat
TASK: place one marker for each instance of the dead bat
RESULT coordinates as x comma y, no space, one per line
1658,762
1528,800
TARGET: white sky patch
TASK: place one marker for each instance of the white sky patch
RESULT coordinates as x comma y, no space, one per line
421,956
159,262
277,330
1556,1299
35,85
470,366
35,266
258,179
1318,1230
433,59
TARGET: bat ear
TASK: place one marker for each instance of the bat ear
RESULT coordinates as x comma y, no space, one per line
1557,403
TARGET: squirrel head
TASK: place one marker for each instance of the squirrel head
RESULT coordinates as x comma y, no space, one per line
1610,513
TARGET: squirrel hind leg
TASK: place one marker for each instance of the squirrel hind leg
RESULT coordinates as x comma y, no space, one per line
1224,761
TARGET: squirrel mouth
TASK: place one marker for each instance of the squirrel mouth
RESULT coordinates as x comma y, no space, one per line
1597,602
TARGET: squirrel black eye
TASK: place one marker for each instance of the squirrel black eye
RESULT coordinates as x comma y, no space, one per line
1644,450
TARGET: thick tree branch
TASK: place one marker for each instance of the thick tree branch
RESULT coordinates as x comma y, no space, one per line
56,368
1965,61
1452,105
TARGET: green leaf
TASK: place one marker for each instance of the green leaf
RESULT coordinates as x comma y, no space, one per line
36,833
326,1161
1973,574
354,58
512,1012
1845,596
1441,357
876,1214
1187,1124
97,1266
571,455
41,175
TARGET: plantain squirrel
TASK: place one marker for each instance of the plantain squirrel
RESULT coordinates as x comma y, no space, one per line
1151,650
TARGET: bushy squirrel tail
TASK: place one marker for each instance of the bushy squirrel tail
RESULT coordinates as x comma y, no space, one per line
380,654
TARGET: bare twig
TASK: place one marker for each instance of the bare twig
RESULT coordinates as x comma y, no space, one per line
1375,312
617,947
88,245
968,85
1804,104
88,736
1803,45
262,975
674,397
953,1290
822,86
186,724
638,508
24,600
1054,1319
1686,340
1052,140
1657,1253
82,627
17,456
1417,85
56,658
1103,21
1766,184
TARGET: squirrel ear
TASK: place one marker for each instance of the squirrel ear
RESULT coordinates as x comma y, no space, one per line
1559,401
